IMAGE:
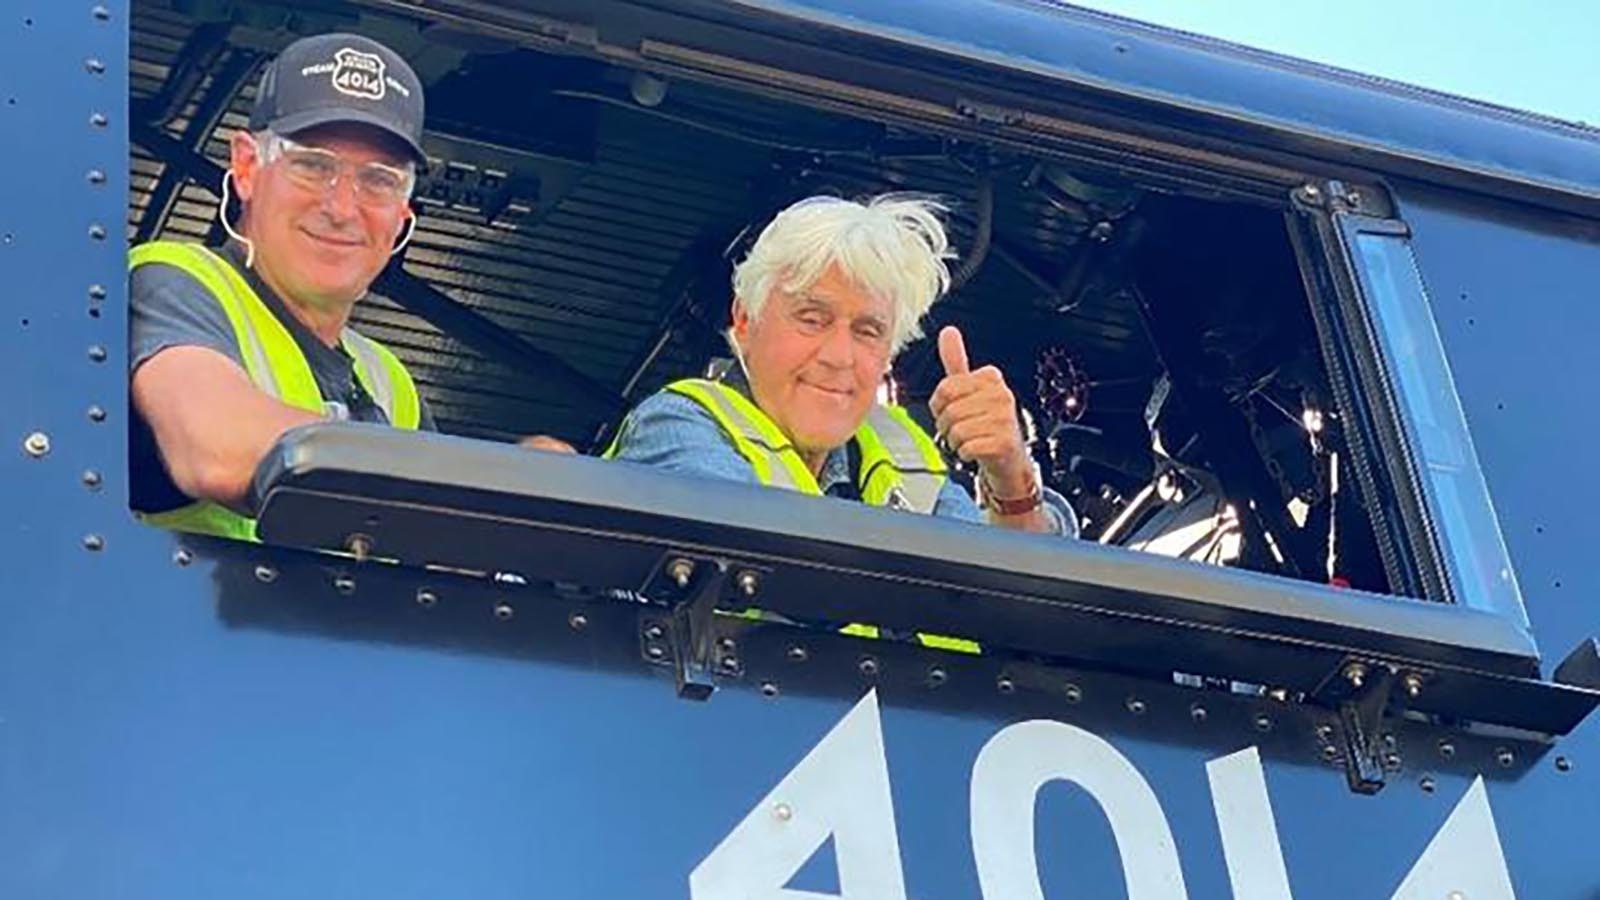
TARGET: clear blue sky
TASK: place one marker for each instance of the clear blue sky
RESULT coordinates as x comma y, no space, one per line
1540,55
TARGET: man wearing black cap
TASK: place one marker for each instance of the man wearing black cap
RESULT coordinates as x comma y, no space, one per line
232,347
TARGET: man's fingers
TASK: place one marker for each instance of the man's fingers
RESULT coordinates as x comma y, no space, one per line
954,387
547,443
953,351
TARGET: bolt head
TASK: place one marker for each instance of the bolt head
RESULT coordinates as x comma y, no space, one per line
426,598
769,689
1427,784
94,543
748,583
1356,674
868,666
266,574
344,584
91,479
1135,706
1005,685
937,676
1504,757
1563,764
1073,693
782,812
797,653
654,631
1447,749
680,570
1330,752
97,414
577,621
730,664
36,445
655,651
1198,713
182,556
1263,722
504,611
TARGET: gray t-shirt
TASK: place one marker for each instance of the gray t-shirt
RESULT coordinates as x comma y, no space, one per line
170,308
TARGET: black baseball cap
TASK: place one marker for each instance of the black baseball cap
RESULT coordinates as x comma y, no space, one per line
341,78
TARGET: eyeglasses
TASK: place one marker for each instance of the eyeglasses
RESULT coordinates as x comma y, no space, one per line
319,170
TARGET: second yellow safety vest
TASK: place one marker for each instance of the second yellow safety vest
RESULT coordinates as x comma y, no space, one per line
276,365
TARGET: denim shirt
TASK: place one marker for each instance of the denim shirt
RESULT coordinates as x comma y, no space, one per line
675,433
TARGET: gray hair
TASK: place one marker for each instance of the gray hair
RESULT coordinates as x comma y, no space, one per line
892,245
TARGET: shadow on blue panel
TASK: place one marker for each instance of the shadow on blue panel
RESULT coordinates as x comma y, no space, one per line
820,874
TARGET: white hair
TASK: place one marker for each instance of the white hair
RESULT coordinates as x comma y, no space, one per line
892,245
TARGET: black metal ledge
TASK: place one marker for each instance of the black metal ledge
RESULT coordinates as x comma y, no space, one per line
434,500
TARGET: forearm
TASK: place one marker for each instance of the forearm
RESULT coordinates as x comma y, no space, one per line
212,426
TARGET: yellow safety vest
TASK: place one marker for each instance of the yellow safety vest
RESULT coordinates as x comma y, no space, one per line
901,467
276,365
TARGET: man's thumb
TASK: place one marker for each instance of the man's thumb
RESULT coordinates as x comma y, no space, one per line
953,351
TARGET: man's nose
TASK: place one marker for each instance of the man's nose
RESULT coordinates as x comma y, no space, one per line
838,347
340,200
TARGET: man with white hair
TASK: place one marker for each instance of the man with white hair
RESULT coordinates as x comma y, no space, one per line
829,294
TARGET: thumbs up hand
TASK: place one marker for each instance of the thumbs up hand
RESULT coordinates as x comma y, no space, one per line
975,414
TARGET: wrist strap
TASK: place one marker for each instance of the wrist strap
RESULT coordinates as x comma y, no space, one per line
1012,506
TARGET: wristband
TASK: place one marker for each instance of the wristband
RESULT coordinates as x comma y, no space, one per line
1012,506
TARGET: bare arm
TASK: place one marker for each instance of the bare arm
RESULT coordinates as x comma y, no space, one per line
210,421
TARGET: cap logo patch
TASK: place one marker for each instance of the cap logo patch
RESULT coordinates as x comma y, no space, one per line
358,74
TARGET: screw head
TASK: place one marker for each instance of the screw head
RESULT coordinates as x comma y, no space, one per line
937,676
101,14
94,66
797,653
504,611
726,643
782,812
1330,752
344,583
1198,713
97,232
1356,674
426,599
655,651
91,479
1504,757
868,666
1005,685
36,445
680,570
97,353
99,120
1072,692
1325,731
1447,749
96,176
1135,706
654,631
577,621
1263,722
266,574
97,414
769,689
94,543
748,583
1427,784
730,664
1563,764
1413,685
97,292
182,556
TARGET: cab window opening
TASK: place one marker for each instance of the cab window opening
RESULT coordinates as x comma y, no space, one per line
571,260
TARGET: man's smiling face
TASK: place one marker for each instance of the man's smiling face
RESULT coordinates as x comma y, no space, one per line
314,246
815,359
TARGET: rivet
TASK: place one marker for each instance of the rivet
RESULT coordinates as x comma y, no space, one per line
97,292
36,445
680,570
1389,742
344,584
91,479
95,66
782,812
748,583
1135,706
1330,752
1004,684
182,556
93,542
1074,694
769,689
426,598
868,666
266,574
797,653
1504,757
1263,722
101,14
1427,784
1563,764
937,676
504,611
577,621
96,176
730,664
726,643
97,232
359,545
1391,760
1356,674
99,120
1198,713
1456,895
1447,749
1325,731
97,353
1413,684
654,631
655,651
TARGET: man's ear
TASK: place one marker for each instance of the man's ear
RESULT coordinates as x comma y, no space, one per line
244,158
741,321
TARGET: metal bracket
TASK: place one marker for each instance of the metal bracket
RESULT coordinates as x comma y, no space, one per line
692,588
1364,692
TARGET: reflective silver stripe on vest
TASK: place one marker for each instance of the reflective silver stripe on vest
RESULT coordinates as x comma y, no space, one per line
919,488
371,365
262,367
777,471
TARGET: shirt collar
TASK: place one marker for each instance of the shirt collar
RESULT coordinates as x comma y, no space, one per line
835,468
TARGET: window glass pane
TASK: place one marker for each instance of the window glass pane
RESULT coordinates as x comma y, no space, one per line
1457,498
